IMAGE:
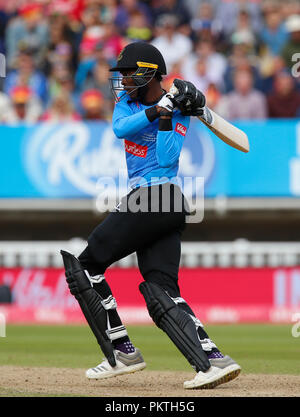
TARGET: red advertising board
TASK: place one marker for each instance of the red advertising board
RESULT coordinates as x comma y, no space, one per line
216,295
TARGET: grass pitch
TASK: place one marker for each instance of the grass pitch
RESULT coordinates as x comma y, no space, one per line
266,349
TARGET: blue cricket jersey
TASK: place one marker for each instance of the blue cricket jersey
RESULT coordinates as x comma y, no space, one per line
152,156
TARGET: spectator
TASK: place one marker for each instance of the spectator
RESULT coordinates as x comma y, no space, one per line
138,28
97,79
269,70
60,82
244,102
174,73
215,63
108,10
174,46
243,32
284,100
59,29
5,17
87,51
93,106
106,48
204,24
92,30
26,74
25,106
176,8
193,5
241,58
228,13
72,10
212,96
293,45
90,16
61,54
62,43
289,8
199,75
128,7
110,42
29,30
274,34
91,37
61,110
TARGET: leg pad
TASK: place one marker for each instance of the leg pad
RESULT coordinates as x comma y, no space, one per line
90,303
178,325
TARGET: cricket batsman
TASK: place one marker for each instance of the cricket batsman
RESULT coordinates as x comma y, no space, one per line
153,124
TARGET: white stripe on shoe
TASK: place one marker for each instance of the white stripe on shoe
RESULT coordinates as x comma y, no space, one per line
126,363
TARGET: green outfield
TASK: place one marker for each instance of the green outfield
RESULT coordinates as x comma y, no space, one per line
268,349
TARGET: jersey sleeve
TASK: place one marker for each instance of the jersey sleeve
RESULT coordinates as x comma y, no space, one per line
125,123
169,142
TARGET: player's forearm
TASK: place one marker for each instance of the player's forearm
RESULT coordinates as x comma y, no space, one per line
130,125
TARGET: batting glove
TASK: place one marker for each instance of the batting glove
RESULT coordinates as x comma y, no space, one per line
166,103
188,99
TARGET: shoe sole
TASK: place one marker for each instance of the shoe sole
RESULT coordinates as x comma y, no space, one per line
128,370
228,374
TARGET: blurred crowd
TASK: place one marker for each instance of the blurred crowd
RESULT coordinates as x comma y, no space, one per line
244,55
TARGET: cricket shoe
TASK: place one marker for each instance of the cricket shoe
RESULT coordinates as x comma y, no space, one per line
222,370
126,363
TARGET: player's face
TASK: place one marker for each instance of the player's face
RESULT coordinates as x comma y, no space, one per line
128,83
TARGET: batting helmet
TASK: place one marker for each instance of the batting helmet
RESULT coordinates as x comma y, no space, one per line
145,59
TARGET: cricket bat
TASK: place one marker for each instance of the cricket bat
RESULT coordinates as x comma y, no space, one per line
224,130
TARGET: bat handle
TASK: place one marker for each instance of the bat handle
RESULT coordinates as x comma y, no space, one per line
173,90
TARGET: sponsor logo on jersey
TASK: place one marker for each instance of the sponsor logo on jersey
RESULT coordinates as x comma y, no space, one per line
135,149
179,128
